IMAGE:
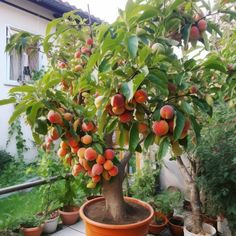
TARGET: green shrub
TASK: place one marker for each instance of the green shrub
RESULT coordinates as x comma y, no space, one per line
5,159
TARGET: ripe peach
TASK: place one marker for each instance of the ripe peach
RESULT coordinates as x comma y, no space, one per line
97,169
193,89
126,117
68,116
113,171
64,145
87,126
118,100
89,41
108,165
77,168
118,110
73,142
194,34
54,135
90,154
160,128
86,139
75,149
140,96
142,128
106,175
202,25
68,135
86,165
69,160
61,152
48,139
167,112
54,117
85,50
78,68
62,64
100,159
77,54
80,152
109,154
96,178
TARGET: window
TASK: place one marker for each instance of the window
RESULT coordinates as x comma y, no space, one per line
20,65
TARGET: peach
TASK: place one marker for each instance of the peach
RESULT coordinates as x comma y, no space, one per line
109,110
78,68
160,128
126,117
86,139
54,117
106,175
68,116
194,34
109,154
91,185
76,124
68,135
87,126
97,169
86,165
85,50
89,41
113,171
202,25
167,112
187,125
100,159
73,142
48,139
118,100
142,128
140,96
80,152
89,173
54,135
118,110
61,152
96,178
62,64
193,89
90,154
77,54
64,145
69,160
108,165
77,168
75,149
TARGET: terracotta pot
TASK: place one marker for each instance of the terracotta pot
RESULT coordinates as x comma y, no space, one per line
69,215
99,229
155,228
176,230
208,229
92,197
210,220
35,231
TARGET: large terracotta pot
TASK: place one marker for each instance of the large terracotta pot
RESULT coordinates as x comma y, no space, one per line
69,215
175,229
92,197
155,228
94,228
36,231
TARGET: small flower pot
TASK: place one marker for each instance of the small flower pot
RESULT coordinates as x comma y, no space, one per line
69,215
50,226
155,228
207,229
176,224
35,231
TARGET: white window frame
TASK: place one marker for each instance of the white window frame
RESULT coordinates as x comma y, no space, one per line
8,81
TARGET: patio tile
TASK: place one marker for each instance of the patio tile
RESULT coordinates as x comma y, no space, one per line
68,232
79,227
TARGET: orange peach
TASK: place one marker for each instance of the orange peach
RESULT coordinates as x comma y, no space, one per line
142,128
61,152
73,142
77,168
140,96
68,116
109,154
160,128
118,110
64,145
86,165
90,154
86,139
118,100
167,112
100,159
87,126
108,165
78,68
126,117
113,171
80,152
74,149
54,117
96,178
106,175
97,169
53,132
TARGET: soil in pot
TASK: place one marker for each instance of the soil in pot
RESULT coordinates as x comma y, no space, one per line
92,197
69,215
176,224
158,224
138,228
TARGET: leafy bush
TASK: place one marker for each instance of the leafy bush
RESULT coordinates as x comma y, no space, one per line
5,159
217,154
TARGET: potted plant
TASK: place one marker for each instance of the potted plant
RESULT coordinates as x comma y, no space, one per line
123,76
158,223
32,226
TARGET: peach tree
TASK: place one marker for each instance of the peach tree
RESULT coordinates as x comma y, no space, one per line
121,88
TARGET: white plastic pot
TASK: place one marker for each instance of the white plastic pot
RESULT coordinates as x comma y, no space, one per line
50,226
208,229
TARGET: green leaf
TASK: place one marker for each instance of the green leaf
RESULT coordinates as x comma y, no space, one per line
98,147
7,101
149,140
34,111
163,148
212,26
179,122
40,127
186,32
134,137
150,13
37,138
202,104
205,40
22,89
196,127
122,136
215,63
129,88
111,126
175,4
187,107
133,45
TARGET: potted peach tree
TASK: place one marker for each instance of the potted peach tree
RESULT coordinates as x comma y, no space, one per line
121,80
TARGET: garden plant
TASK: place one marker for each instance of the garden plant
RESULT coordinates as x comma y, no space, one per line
125,80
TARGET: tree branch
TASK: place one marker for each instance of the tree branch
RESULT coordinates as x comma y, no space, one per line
184,170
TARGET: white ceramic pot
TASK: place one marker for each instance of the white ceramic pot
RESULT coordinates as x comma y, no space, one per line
208,229
50,226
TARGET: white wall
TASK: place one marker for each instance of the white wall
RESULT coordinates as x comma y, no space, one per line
25,21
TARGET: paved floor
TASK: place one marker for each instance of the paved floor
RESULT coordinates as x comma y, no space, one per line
79,230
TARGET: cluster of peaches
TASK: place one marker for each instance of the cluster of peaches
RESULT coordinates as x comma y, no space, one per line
77,150
197,28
